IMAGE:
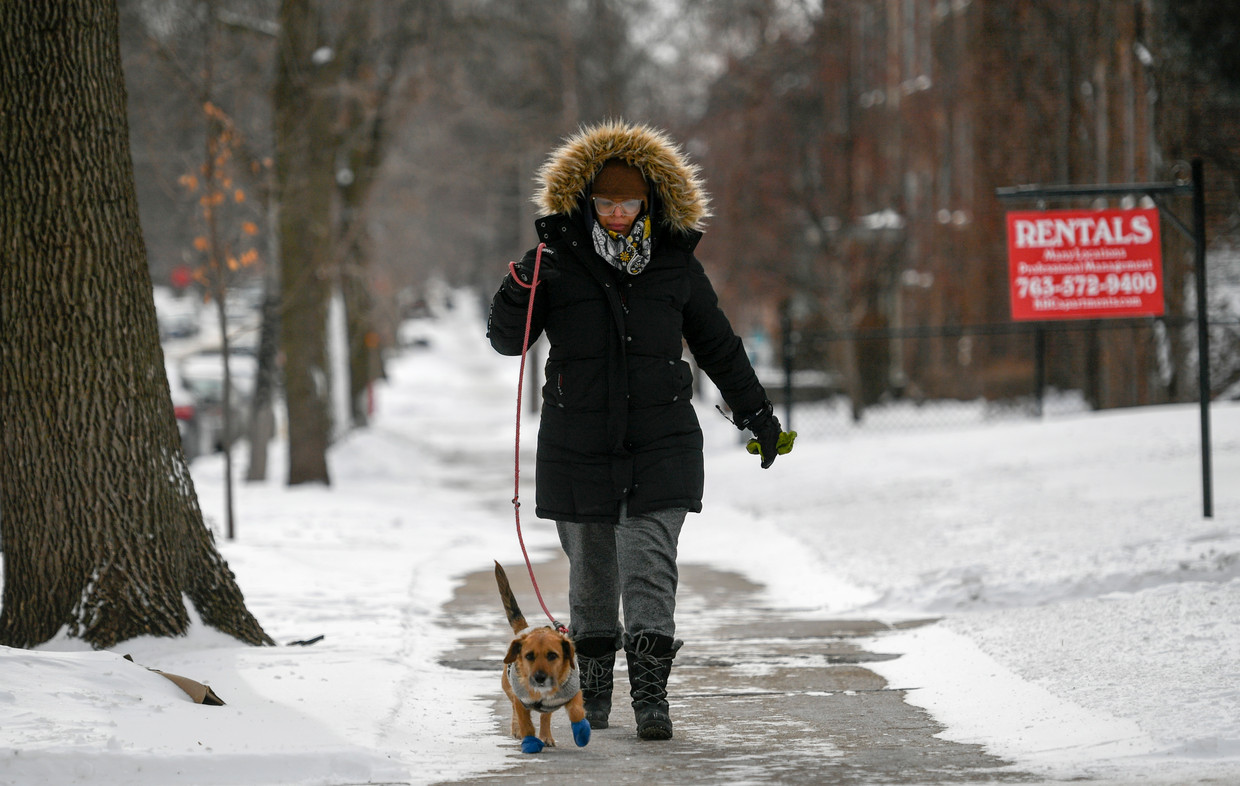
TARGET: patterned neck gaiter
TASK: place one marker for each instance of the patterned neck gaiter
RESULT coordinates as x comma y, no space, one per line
631,252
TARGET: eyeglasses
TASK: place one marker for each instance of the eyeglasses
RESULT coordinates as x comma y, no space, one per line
606,207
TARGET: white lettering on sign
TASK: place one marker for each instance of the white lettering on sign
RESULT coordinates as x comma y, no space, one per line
1082,231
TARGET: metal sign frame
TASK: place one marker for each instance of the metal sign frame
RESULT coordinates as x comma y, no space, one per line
1157,192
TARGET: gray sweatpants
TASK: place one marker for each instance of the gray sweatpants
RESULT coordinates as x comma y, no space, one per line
631,562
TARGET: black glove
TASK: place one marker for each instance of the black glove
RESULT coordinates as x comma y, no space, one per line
770,440
524,270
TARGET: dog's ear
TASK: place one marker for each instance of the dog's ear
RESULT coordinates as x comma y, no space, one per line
514,651
570,652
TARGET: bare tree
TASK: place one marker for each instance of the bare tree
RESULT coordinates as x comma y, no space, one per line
202,123
341,86
305,177
102,532
374,90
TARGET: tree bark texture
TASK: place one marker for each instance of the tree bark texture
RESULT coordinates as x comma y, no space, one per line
101,530
305,180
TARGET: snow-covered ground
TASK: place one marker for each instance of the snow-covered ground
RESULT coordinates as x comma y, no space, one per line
1091,615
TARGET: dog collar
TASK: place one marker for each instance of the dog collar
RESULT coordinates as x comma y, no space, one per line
570,688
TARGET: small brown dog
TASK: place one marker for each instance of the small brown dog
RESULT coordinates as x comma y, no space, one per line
540,674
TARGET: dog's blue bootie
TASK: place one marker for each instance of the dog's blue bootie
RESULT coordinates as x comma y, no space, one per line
532,744
581,733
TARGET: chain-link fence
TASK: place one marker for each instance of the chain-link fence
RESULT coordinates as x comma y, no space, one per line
898,379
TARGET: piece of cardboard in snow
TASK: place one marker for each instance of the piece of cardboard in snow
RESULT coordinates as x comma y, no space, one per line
201,694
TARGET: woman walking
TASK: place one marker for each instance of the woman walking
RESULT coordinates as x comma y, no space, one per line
620,463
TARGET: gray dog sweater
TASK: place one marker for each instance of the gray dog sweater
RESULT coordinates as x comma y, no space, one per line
570,688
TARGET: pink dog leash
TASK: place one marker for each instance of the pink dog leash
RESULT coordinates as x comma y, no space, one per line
516,462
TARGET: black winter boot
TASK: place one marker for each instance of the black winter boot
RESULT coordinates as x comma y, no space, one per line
650,662
596,657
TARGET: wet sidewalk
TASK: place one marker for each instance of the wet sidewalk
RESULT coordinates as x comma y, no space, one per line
758,695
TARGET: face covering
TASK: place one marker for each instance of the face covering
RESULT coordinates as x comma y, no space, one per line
631,252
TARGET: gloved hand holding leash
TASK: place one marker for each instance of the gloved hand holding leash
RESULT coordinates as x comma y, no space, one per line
521,274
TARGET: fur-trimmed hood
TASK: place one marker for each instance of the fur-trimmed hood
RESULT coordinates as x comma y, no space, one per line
569,170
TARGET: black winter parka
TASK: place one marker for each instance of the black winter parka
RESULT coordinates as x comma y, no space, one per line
617,418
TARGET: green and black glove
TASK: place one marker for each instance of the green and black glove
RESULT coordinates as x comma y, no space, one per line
770,440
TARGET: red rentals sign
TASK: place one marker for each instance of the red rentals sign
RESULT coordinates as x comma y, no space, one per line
1085,264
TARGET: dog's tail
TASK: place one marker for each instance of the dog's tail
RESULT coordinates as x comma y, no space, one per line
515,618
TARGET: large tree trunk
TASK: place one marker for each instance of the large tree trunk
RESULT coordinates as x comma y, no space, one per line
305,183
101,529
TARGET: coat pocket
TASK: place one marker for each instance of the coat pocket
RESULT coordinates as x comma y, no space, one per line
575,386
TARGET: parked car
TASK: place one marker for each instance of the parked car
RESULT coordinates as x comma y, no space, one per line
202,374
185,407
178,315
